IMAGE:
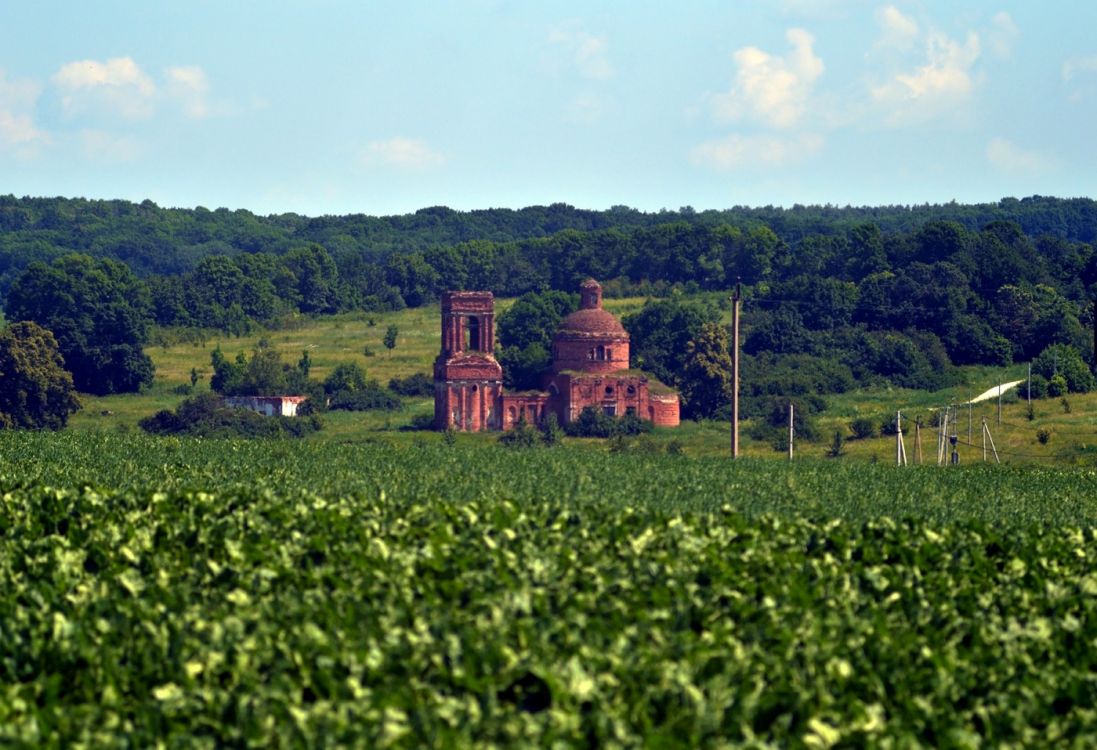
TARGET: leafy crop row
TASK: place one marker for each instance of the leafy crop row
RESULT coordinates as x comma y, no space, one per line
219,593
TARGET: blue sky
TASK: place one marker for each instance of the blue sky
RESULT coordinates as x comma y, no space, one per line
334,106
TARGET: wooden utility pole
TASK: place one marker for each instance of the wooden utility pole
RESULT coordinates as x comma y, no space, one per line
940,419
791,429
736,299
942,439
988,436
1030,386
918,440
898,438
999,399
902,444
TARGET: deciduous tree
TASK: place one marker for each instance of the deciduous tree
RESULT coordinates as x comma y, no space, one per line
706,379
390,338
35,389
99,313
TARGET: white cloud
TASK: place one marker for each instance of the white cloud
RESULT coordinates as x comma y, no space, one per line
17,95
402,153
1076,65
897,31
737,150
948,70
18,132
770,89
117,86
587,53
945,80
1008,157
1003,33
188,85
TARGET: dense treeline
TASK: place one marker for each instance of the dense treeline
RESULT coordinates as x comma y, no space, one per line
170,242
941,277
835,295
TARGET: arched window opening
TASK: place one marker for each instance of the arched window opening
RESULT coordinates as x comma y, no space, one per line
473,334
601,353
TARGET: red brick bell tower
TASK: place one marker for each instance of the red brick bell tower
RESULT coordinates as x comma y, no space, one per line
468,381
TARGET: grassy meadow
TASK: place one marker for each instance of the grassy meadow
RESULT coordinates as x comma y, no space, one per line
357,337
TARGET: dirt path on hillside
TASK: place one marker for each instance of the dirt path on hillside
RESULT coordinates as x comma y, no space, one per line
993,392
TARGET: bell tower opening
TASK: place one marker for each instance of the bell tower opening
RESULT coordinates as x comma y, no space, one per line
473,335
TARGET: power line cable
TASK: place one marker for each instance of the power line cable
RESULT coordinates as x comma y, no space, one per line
1010,453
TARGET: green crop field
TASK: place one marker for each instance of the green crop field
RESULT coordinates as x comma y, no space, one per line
203,593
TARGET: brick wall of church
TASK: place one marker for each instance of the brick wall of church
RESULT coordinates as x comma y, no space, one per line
590,356
468,406
664,410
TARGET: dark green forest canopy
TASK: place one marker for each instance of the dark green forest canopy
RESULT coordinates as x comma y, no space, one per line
98,311
151,239
896,292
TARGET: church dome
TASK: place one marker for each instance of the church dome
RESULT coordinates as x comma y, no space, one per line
591,339
594,322
590,320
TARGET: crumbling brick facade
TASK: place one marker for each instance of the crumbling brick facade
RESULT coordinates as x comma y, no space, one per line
590,368
468,381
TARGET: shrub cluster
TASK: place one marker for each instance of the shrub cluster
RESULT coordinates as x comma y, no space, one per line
594,422
373,396
1059,370
525,435
418,385
347,389
206,415
863,428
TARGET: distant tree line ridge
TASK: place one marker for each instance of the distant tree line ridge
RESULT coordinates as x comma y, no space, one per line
900,293
155,241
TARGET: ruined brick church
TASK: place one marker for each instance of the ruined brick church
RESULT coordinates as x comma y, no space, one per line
590,354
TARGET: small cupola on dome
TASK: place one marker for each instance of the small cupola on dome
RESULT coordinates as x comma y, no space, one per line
590,294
